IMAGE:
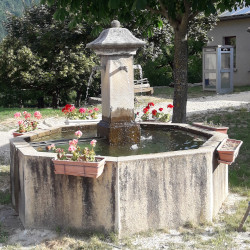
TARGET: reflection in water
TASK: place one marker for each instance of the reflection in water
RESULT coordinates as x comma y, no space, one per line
152,141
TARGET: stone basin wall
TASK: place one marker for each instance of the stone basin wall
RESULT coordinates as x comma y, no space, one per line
134,193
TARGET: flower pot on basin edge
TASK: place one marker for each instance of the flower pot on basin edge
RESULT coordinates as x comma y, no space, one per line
80,168
212,128
228,150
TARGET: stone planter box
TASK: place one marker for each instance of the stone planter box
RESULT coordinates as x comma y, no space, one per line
228,150
80,168
75,122
216,129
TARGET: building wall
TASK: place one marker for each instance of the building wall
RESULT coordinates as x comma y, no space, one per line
236,28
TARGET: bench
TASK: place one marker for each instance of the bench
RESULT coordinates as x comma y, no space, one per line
143,86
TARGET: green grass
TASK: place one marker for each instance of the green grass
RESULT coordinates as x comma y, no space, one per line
193,92
5,197
3,234
6,113
239,127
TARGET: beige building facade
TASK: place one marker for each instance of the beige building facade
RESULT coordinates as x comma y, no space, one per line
232,30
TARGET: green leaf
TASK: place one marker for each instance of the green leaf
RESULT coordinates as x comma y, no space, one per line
141,4
160,23
113,4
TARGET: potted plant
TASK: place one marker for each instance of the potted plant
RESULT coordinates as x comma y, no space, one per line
80,162
28,123
74,115
211,126
228,150
156,115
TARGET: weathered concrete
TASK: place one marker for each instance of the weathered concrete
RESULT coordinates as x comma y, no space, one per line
134,193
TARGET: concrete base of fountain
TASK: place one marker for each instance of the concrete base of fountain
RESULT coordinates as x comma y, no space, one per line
134,193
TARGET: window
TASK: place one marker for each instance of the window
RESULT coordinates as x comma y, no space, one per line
231,40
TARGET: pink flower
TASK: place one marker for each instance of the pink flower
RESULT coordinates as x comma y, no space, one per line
78,133
73,142
27,116
90,111
82,110
59,150
72,148
25,112
17,114
72,109
93,143
38,115
96,109
20,122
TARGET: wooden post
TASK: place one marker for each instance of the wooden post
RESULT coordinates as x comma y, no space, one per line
244,218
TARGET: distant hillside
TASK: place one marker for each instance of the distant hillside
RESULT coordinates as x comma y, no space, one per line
15,7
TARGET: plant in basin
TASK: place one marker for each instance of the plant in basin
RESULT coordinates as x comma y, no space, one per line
78,162
158,115
26,122
72,113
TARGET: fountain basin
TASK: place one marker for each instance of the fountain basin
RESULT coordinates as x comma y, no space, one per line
134,193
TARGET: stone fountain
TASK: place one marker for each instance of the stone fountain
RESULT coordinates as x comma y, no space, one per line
135,193
116,47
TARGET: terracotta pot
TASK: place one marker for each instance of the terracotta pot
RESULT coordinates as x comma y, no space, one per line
80,168
228,150
15,134
216,129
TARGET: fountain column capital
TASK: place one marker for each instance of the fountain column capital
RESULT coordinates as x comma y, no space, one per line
116,41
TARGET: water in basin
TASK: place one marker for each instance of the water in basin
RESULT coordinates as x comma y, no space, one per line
152,141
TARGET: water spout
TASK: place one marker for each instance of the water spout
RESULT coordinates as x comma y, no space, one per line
95,68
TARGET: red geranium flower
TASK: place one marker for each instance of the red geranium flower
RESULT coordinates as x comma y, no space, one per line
145,110
170,106
151,104
154,112
160,109
68,106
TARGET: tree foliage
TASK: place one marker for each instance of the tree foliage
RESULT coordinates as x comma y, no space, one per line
15,7
179,13
43,55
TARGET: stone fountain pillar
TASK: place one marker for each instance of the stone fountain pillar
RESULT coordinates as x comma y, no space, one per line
116,47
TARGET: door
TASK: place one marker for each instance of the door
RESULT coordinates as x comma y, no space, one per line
225,72
209,68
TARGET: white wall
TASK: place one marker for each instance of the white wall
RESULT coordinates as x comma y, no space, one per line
236,28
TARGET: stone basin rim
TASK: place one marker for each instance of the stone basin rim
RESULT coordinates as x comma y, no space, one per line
213,141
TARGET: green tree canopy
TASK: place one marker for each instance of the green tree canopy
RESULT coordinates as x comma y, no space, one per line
179,13
14,7
44,55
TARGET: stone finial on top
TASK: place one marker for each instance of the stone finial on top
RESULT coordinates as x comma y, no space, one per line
115,24
115,41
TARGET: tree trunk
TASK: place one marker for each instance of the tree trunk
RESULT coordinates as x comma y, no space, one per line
180,73
55,99
78,98
40,102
